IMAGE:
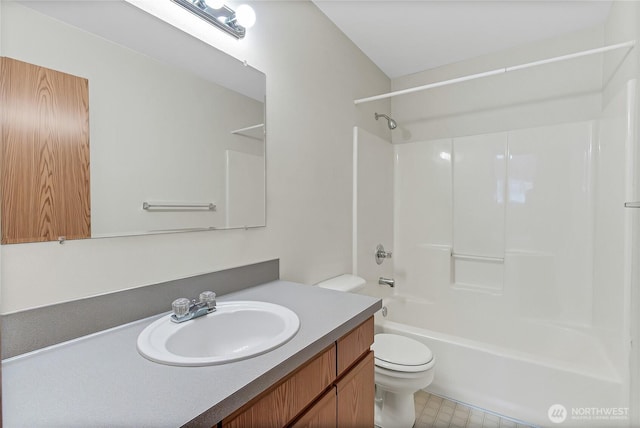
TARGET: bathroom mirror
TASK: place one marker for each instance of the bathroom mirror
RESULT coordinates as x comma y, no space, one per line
177,128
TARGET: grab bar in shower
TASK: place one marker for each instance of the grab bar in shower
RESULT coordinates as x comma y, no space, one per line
632,204
477,258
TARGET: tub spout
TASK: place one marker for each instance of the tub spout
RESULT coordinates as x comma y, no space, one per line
387,281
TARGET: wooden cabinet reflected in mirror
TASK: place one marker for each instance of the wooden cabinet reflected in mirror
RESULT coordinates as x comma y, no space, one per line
45,154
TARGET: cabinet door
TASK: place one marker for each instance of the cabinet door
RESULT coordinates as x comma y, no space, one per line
280,405
356,393
321,415
45,154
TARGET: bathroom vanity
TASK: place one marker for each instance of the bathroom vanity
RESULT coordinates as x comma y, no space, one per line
335,386
323,375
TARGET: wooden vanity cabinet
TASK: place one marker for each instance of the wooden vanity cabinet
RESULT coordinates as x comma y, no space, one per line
285,400
333,389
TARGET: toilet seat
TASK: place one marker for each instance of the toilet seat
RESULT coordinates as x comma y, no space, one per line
400,353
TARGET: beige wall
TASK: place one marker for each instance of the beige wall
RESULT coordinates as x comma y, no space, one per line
313,74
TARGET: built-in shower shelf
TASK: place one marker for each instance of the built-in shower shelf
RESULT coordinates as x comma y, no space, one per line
632,204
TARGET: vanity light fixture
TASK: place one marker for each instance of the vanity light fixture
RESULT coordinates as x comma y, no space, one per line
223,17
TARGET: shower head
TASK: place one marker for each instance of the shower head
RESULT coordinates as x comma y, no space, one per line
390,122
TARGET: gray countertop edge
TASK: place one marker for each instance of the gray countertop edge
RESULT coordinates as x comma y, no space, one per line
102,380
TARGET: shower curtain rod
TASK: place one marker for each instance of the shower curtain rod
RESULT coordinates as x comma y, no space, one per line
630,44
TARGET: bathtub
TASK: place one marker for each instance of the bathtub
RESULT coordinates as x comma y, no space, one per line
519,370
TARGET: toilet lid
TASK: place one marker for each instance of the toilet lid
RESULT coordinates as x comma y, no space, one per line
394,351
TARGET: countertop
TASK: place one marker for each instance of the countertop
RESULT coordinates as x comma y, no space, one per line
102,381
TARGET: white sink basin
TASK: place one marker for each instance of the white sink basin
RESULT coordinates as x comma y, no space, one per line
235,331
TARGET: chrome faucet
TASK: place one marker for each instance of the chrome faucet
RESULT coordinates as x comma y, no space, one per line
185,309
387,281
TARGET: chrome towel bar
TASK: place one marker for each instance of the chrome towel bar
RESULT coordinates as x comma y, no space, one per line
149,206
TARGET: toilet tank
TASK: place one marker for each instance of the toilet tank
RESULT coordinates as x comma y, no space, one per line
347,282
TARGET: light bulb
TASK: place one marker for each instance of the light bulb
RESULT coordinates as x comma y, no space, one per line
245,16
215,4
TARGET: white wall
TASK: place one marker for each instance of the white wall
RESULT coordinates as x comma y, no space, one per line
568,140
463,116
555,93
313,75
571,91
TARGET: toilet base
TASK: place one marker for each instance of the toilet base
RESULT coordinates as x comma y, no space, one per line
394,410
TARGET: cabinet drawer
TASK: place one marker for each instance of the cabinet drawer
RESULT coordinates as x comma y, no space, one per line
320,415
356,393
279,405
354,345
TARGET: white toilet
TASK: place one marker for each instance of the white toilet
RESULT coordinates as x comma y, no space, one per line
402,367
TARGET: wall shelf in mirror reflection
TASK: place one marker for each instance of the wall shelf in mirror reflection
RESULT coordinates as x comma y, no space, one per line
244,131
164,111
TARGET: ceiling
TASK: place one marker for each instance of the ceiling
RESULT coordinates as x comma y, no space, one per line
405,37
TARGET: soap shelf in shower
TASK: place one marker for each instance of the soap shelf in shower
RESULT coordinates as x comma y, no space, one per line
477,258
632,204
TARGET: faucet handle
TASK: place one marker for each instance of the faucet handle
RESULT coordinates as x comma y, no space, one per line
181,307
381,254
208,297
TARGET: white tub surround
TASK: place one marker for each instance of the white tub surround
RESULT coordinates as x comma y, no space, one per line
101,380
512,246
503,367
479,188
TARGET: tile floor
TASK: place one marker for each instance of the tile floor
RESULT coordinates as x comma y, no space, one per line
438,412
